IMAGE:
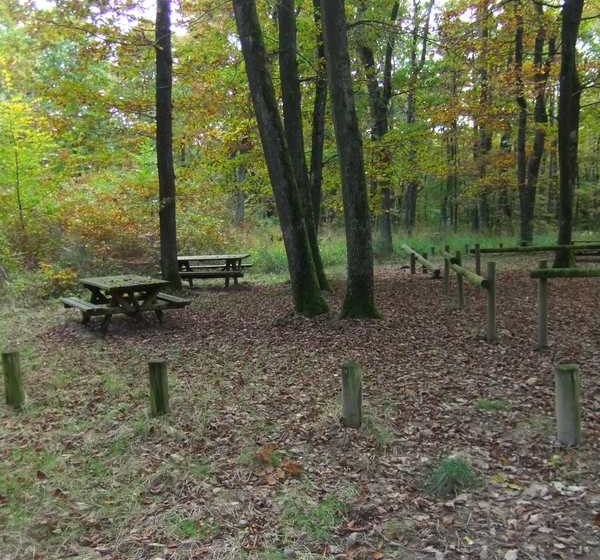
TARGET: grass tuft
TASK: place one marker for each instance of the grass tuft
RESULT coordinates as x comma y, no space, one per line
451,476
492,404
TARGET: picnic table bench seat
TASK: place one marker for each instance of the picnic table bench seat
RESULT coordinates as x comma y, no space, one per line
173,302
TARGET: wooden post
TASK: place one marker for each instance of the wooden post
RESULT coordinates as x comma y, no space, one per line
542,309
478,258
491,302
423,268
567,385
413,264
159,388
351,395
466,250
13,381
460,284
446,271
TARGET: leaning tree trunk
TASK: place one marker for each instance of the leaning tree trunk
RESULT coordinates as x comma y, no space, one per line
305,285
164,145
292,122
359,300
568,126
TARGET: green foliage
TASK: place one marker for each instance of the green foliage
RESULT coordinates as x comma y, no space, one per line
451,476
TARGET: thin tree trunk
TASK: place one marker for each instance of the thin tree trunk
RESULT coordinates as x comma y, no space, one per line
379,100
303,276
359,300
568,126
164,145
292,122
318,120
526,223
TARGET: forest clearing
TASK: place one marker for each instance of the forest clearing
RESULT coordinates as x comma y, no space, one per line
252,461
299,279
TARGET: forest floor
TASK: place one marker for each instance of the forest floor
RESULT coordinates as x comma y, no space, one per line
253,463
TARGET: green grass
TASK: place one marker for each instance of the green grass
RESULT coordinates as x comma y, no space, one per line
451,476
492,404
315,520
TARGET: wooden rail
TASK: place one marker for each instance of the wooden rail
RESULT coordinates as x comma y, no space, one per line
422,259
487,283
542,274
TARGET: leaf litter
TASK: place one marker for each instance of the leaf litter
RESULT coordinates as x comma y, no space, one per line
253,461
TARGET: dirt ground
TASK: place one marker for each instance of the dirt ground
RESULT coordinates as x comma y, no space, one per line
253,462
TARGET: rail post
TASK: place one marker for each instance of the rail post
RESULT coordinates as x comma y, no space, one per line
492,335
542,309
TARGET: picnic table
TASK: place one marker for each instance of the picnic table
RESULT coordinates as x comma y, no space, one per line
128,294
212,266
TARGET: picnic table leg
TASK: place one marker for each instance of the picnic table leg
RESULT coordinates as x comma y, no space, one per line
106,322
227,281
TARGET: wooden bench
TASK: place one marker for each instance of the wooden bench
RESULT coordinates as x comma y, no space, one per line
172,302
189,275
88,309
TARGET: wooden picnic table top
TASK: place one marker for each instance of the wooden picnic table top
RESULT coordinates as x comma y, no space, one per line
124,282
212,257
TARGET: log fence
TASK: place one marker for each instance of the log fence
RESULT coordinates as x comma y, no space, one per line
542,275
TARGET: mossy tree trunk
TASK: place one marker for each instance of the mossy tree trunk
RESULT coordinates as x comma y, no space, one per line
164,145
359,300
303,275
292,122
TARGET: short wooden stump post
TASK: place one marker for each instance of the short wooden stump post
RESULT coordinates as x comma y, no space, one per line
351,395
460,284
159,388
542,309
446,271
413,264
13,380
567,384
478,258
491,302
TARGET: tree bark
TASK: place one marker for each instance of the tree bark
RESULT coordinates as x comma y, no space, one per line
164,145
303,276
526,219
568,126
359,300
318,120
292,122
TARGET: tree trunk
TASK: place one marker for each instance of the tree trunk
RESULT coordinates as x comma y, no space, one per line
359,300
318,120
416,65
568,126
303,276
292,122
525,198
379,100
164,145
483,144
